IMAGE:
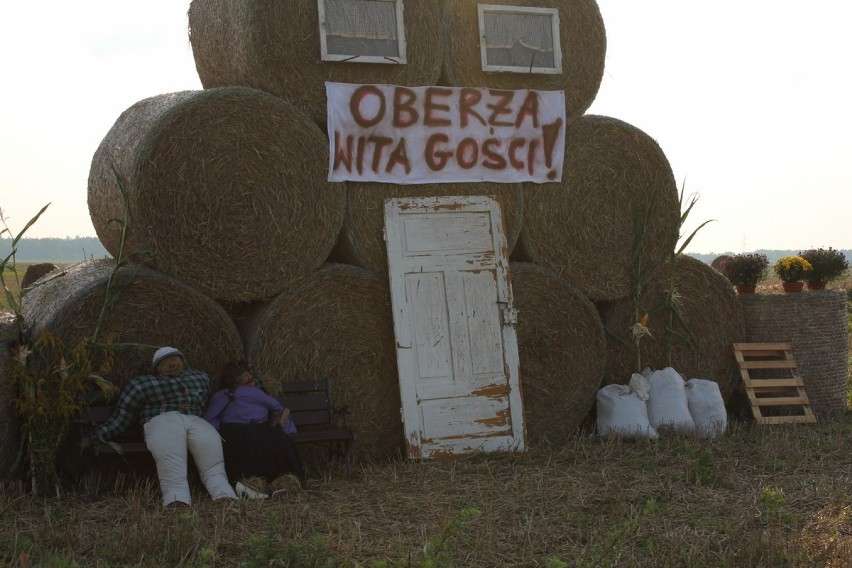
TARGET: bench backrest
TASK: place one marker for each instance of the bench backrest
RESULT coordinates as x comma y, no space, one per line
309,402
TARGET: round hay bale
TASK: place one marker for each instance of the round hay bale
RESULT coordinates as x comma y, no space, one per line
226,187
561,348
36,271
582,39
9,423
364,222
719,261
275,46
816,324
148,308
586,228
337,325
701,347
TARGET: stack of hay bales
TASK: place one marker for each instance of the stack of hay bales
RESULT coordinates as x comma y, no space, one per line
225,199
269,46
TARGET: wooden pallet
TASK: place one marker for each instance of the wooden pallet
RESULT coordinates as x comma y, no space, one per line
773,391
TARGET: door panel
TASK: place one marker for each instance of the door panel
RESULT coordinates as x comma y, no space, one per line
457,358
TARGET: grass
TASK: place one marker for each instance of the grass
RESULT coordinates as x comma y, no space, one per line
759,496
13,282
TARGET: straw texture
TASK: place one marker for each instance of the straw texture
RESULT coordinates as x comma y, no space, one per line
701,347
582,39
9,424
226,189
364,222
585,227
150,309
561,347
275,46
337,325
815,323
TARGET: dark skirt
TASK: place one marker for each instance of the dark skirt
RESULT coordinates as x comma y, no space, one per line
259,450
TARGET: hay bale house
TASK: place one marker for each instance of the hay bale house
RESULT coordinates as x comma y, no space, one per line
147,308
537,44
278,47
225,190
617,192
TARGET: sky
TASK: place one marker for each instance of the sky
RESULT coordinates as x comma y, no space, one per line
749,101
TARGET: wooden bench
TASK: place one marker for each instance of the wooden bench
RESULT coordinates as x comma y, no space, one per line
316,418
130,444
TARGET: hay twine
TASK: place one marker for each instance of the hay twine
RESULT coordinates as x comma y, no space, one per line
226,189
335,325
815,322
275,46
561,347
150,309
584,227
364,243
711,314
582,39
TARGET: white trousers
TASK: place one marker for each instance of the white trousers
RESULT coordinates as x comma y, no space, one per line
169,436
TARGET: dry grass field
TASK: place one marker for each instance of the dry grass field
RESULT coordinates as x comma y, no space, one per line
769,496
759,496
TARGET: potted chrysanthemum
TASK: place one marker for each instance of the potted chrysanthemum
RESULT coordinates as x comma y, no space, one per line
826,265
744,271
792,270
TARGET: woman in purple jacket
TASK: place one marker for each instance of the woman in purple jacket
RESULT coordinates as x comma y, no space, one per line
260,456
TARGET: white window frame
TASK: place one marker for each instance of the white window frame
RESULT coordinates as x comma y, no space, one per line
400,37
554,23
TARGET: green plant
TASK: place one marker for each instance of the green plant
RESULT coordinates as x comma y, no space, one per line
51,377
792,268
677,323
745,269
49,395
826,264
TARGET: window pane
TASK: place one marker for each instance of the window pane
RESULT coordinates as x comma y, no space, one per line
361,27
519,40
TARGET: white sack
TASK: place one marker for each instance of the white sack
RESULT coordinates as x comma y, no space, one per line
667,405
621,411
707,407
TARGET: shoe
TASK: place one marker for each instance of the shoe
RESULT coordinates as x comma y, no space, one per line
285,485
246,492
179,506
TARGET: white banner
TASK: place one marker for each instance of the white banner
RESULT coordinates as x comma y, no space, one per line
410,135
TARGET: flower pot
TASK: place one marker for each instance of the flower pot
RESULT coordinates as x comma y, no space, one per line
816,284
745,289
791,287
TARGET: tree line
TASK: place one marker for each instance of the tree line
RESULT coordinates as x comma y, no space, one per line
76,249
56,250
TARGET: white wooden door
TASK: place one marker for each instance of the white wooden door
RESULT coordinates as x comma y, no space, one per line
457,350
